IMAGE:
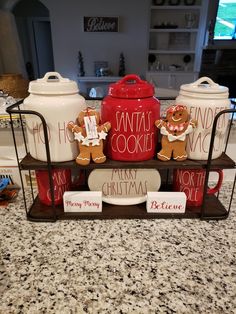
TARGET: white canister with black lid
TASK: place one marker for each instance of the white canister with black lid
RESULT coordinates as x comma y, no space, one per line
204,100
58,100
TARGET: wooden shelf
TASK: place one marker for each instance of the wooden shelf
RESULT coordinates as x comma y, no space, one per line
223,162
41,212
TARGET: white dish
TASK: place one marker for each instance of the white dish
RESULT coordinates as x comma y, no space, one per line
124,186
125,201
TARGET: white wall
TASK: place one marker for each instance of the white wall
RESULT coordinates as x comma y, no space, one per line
11,57
68,36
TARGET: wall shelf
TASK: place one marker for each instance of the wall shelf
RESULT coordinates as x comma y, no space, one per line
172,52
173,30
166,72
175,7
99,79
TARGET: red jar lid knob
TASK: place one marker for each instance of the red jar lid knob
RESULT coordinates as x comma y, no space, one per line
131,78
131,86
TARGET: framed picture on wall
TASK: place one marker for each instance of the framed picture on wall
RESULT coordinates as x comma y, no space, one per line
101,24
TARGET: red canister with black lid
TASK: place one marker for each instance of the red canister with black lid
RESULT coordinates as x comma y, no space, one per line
132,109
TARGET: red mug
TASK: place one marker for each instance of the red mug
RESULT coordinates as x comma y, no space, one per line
191,182
61,182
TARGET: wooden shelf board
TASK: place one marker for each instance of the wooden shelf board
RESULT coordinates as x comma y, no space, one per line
40,212
224,161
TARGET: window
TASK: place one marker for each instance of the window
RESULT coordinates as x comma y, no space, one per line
225,25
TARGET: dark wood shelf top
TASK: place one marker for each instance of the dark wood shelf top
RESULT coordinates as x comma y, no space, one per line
223,162
41,212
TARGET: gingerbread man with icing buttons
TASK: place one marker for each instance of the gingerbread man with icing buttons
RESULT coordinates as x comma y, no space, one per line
90,136
174,129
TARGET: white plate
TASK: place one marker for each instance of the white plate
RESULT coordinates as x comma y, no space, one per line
125,201
124,186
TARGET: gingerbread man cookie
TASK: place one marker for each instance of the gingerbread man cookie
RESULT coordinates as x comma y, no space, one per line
90,136
174,130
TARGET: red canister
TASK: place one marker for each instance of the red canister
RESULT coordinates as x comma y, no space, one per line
132,110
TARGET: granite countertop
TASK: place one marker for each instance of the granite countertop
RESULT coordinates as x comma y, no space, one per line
117,266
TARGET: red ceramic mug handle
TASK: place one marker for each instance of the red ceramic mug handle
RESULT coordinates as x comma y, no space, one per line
131,77
219,183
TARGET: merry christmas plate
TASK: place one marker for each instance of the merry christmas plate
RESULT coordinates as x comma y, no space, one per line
124,186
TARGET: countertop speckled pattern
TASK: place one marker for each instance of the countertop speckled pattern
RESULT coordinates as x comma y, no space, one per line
118,266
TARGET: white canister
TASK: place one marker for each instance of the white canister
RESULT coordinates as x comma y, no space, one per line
204,101
57,99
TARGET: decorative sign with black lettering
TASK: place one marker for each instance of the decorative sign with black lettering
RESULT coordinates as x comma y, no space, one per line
101,24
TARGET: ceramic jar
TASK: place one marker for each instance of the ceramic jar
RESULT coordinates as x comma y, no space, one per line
132,110
204,100
57,99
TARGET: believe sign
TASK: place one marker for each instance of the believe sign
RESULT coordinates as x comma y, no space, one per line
166,202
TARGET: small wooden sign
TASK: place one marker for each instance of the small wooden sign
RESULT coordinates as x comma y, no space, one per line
166,202
82,201
101,24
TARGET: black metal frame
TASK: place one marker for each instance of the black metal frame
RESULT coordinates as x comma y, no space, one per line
49,165
209,161
11,111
